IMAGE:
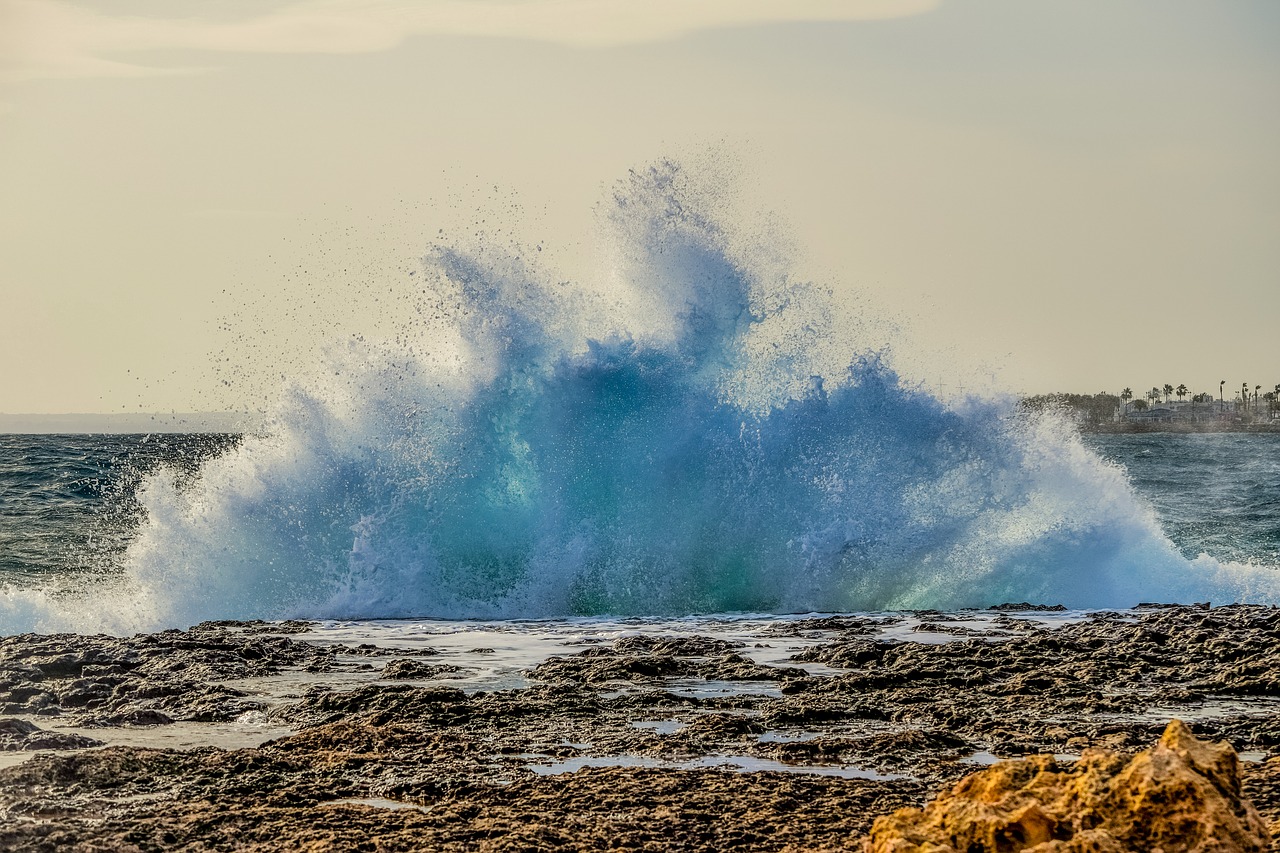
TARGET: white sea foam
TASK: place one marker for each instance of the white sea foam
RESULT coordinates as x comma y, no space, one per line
536,451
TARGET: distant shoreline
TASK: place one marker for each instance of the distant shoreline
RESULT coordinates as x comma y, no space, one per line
1140,427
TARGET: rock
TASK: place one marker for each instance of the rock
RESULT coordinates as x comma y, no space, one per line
723,726
652,659
602,666
917,712
849,655
684,647
1181,796
20,735
140,717
439,705
405,669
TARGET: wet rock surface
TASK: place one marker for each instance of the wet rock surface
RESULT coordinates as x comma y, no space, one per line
154,678
686,741
20,735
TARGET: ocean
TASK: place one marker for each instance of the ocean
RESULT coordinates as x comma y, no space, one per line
71,510
708,438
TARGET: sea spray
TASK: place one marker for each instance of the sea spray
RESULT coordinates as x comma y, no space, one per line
680,444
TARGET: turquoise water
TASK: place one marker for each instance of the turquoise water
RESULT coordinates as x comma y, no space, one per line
69,503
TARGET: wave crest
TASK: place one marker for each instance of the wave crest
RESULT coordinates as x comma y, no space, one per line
680,445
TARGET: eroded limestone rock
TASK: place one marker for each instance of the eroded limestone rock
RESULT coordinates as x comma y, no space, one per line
1181,796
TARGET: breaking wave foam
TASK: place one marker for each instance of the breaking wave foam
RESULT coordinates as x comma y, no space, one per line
679,446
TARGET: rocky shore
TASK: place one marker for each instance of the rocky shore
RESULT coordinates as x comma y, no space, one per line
643,741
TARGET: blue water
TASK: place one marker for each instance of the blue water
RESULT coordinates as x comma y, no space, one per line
70,501
1216,493
677,443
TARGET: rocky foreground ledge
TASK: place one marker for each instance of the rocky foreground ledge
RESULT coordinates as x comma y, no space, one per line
1183,794
614,746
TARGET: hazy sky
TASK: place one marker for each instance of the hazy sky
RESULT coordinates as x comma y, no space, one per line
1073,195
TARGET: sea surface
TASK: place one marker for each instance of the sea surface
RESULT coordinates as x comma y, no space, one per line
68,503
70,509
705,435
1214,493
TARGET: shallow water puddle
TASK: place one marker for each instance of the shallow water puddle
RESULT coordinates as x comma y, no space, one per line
982,758
1210,708
787,737
750,764
709,689
1214,707
736,763
251,729
662,727
377,803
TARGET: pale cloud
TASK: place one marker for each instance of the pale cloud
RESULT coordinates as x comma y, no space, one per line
55,39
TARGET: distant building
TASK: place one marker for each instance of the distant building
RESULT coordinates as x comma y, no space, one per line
1180,411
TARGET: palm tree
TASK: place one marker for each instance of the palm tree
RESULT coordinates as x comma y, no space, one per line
1154,394
1256,389
1168,389
1182,392
1127,394
1220,385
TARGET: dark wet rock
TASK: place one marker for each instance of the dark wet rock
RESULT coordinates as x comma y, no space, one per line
818,625
259,626
102,680
911,740
1261,786
601,665
403,669
21,735
1097,678
734,667
780,714
681,647
138,717
723,727
370,650
653,659
820,750
943,627
1024,607
846,654
380,704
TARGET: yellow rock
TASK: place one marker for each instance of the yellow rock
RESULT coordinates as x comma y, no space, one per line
1180,796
